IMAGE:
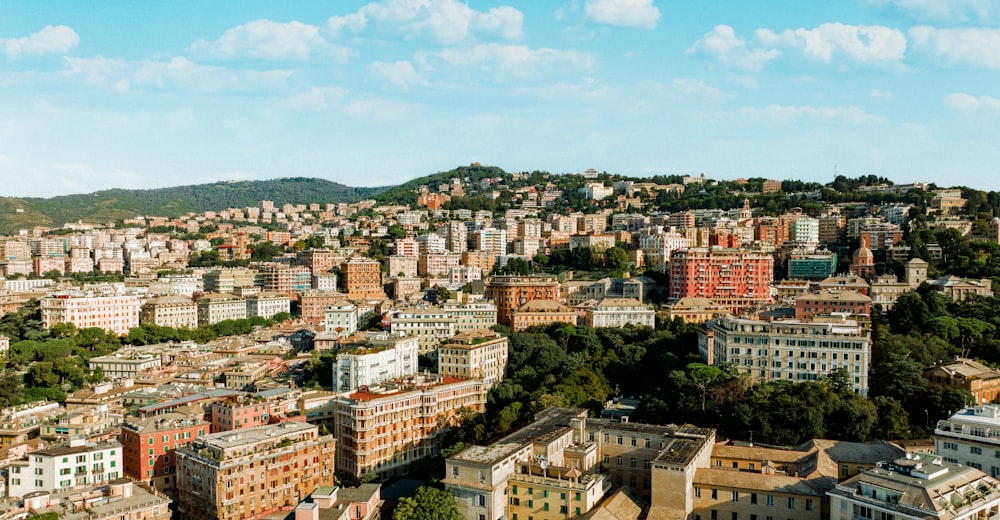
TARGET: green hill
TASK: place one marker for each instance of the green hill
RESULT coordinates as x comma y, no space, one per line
117,204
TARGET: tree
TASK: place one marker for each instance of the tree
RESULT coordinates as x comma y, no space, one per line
702,375
11,389
443,294
616,259
428,503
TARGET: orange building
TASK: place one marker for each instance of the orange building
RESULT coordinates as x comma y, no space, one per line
541,312
978,379
362,278
832,300
313,304
510,292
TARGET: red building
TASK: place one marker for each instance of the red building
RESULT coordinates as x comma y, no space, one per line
735,278
771,230
148,447
313,304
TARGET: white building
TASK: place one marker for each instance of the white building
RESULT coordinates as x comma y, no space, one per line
491,239
267,304
380,358
618,312
916,487
471,316
213,308
429,326
63,467
431,243
597,191
804,230
122,366
659,246
462,275
342,319
792,350
971,438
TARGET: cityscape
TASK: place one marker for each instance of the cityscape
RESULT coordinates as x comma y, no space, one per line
483,344
500,260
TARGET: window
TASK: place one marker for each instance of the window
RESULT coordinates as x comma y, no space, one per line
976,450
618,461
545,506
454,471
770,500
697,492
607,459
736,496
482,500
715,494
736,516
753,498
513,490
809,504
791,502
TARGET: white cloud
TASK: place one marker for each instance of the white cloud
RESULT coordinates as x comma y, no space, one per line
967,104
400,73
270,40
882,95
317,99
503,62
180,73
380,109
188,75
944,10
861,43
562,91
444,21
51,39
784,114
722,44
976,47
626,13
697,88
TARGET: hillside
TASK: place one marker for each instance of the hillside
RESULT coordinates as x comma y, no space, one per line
116,204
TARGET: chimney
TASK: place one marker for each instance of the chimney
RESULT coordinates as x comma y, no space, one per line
307,511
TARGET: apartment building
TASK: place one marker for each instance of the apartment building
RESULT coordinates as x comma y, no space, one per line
313,305
507,478
170,311
401,265
541,313
216,307
249,473
113,313
319,261
376,359
387,428
510,292
362,278
471,316
733,277
429,326
437,264
342,319
972,376
119,499
830,301
123,365
792,350
618,312
971,437
267,304
491,240
917,486
59,468
480,354
149,447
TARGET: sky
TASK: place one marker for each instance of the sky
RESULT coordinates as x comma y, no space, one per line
125,94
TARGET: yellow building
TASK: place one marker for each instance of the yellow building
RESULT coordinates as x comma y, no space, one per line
480,354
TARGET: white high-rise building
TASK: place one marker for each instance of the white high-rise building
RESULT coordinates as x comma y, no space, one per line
382,357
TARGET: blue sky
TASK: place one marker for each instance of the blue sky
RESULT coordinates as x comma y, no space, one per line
124,94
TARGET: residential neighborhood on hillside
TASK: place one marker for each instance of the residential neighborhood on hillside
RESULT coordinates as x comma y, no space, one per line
512,346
